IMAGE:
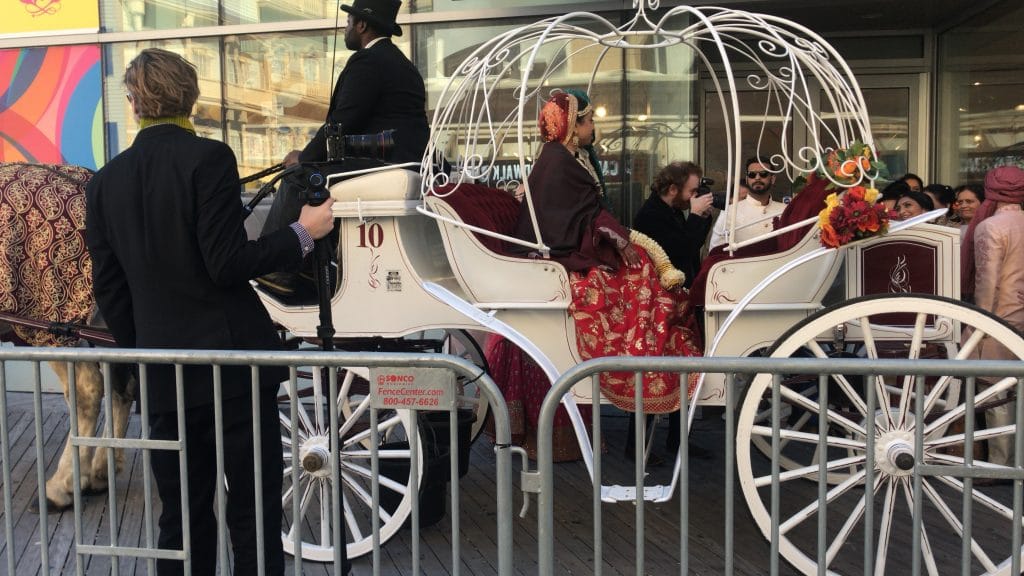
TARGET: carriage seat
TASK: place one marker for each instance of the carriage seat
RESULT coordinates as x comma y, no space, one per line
392,192
729,280
491,276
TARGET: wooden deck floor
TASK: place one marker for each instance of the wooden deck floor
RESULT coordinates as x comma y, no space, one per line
573,516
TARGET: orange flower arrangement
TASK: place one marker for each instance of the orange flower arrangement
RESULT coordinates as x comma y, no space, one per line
850,166
852,215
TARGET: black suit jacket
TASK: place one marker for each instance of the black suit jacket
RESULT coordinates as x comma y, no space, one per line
171,260
379,89
681,240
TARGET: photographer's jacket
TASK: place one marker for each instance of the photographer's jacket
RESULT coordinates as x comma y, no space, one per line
681,241
379,89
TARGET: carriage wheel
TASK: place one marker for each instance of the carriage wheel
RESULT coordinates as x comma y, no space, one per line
794,455
461,343
869,318
315,485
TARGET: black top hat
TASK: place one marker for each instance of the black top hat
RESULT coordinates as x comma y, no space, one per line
379,12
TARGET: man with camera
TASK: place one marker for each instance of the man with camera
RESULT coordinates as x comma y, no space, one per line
379,90
678,187
755,213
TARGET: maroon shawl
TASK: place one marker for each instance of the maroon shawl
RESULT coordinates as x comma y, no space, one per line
579,231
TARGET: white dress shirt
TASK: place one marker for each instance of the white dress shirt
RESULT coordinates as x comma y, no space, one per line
748,211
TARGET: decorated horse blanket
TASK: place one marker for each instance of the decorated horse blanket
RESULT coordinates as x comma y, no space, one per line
45,270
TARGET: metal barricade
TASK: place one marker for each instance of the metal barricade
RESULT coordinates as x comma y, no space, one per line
894,468
435,378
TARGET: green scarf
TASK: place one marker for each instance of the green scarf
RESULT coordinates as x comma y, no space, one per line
181,121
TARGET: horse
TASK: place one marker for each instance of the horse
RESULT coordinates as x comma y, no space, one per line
46,275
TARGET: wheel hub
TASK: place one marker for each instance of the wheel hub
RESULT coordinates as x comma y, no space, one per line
315,456
894,453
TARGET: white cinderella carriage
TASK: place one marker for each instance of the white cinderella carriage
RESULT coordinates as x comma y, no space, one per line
412,263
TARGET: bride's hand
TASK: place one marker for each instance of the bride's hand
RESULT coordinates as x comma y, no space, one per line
630,256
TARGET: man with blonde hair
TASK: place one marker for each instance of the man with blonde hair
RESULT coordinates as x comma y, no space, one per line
171,269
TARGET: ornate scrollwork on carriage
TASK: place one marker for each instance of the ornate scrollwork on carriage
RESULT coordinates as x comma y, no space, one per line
486,111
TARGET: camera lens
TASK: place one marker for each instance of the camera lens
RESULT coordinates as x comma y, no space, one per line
378,146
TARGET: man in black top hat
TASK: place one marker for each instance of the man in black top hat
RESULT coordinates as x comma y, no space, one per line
379,89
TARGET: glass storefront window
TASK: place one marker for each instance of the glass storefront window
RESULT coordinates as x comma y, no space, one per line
121,124
889,112
415,6
277,89
257,11
980,106
135,15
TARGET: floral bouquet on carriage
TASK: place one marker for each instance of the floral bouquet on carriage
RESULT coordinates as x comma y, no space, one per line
851,212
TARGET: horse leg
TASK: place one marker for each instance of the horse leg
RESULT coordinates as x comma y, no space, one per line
89,391
122,385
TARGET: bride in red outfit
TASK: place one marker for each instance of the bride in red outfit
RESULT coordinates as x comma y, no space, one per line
619,304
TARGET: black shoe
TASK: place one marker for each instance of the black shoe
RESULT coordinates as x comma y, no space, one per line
281,283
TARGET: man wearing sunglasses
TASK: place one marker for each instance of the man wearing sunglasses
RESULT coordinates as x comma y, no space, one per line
755,213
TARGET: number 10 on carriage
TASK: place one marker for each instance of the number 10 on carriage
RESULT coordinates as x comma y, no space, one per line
413,388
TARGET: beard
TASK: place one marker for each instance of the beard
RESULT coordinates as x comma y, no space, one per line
759,187
352,42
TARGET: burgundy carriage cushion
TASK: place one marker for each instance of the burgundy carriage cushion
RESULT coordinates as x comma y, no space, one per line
45,270
483,207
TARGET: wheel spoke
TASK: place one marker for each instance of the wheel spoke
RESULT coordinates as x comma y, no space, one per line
286,498
325,515
811,509
844,384
979,497
885,528
365,497
359,410
384,481
286,423
387,424
979,435
926,546
318,398
908,381
830,441
810,472
954,522
851,522
350,520
871,349
815,407
968,347
345,388
958,412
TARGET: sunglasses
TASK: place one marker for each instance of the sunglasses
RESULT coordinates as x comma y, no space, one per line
761,174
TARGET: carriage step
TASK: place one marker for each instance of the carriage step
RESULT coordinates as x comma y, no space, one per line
618,493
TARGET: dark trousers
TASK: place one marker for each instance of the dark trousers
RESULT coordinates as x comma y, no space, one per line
239,467
671,441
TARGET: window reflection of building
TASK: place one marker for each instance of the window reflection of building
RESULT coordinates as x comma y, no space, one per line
980,106
276,81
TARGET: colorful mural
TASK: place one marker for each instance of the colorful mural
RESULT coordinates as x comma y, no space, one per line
50,105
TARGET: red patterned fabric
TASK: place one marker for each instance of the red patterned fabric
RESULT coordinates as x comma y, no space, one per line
628,313
524,385
45,270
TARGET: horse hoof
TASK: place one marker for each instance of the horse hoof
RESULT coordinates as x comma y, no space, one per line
51,506
93,490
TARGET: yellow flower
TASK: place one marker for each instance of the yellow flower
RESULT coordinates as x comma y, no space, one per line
870,195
